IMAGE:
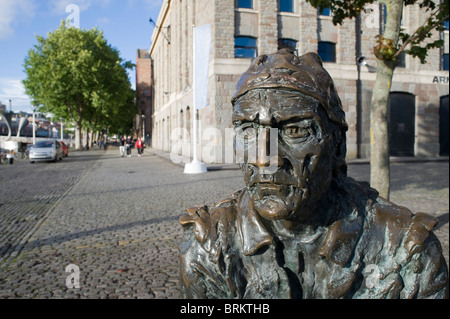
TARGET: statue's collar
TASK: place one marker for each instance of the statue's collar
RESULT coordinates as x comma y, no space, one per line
252,232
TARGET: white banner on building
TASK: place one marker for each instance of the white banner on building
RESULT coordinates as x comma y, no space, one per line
202,44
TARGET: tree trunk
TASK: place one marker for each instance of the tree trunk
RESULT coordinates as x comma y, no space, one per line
78,144
379,133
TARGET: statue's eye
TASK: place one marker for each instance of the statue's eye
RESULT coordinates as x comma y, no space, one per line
300,131
296,131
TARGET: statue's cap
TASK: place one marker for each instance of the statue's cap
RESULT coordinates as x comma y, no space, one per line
305,74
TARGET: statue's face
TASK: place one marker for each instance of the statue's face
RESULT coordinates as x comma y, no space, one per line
285,147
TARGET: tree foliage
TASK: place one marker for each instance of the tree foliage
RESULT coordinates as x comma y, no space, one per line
75,74
414,44
387,48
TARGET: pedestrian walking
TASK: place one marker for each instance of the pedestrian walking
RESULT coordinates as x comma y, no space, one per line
139,145
99,145
128,145
10,157
122,146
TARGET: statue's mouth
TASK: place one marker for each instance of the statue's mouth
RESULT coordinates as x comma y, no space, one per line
272,189
265,191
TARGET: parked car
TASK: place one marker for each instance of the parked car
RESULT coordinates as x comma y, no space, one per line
48,150
65,149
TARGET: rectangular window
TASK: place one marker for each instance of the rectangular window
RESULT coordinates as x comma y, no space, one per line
286,5
401,60
247,4
244,47
324,11
327,51
445,62
287,43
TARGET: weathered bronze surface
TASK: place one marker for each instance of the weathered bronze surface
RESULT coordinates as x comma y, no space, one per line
304,229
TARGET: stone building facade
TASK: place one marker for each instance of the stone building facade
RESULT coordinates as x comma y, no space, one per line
143,121
241,30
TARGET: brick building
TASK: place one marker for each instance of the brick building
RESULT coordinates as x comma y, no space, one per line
143,122
244,29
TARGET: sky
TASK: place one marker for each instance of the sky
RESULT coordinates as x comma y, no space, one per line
125,25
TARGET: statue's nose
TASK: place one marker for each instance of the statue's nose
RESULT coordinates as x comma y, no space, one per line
267,148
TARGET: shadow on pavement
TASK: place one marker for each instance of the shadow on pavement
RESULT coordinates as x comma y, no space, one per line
67,237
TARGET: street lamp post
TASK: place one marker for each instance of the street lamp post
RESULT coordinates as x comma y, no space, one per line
34,126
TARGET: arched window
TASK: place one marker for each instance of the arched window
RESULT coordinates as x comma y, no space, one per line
181,119
188,119
244,47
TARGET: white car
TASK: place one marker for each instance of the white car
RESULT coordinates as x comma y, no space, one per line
49,150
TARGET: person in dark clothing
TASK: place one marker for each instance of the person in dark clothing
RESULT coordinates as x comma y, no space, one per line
122,146
129,142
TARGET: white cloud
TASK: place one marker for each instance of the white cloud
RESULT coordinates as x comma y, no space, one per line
12,89
12,13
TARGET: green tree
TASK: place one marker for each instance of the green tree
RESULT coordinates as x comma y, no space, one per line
75,74
120,120
388,46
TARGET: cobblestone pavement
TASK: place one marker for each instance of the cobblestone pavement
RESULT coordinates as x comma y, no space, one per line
28,192
118,224
116,219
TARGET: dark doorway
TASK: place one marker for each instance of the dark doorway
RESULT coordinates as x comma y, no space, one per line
443,126
402,110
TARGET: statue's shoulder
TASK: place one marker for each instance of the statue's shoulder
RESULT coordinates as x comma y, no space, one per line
206,220
407,230
386,222
405,253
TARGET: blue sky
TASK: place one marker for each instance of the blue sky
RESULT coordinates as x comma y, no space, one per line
125,24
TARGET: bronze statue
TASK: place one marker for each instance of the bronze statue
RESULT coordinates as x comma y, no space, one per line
304,229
